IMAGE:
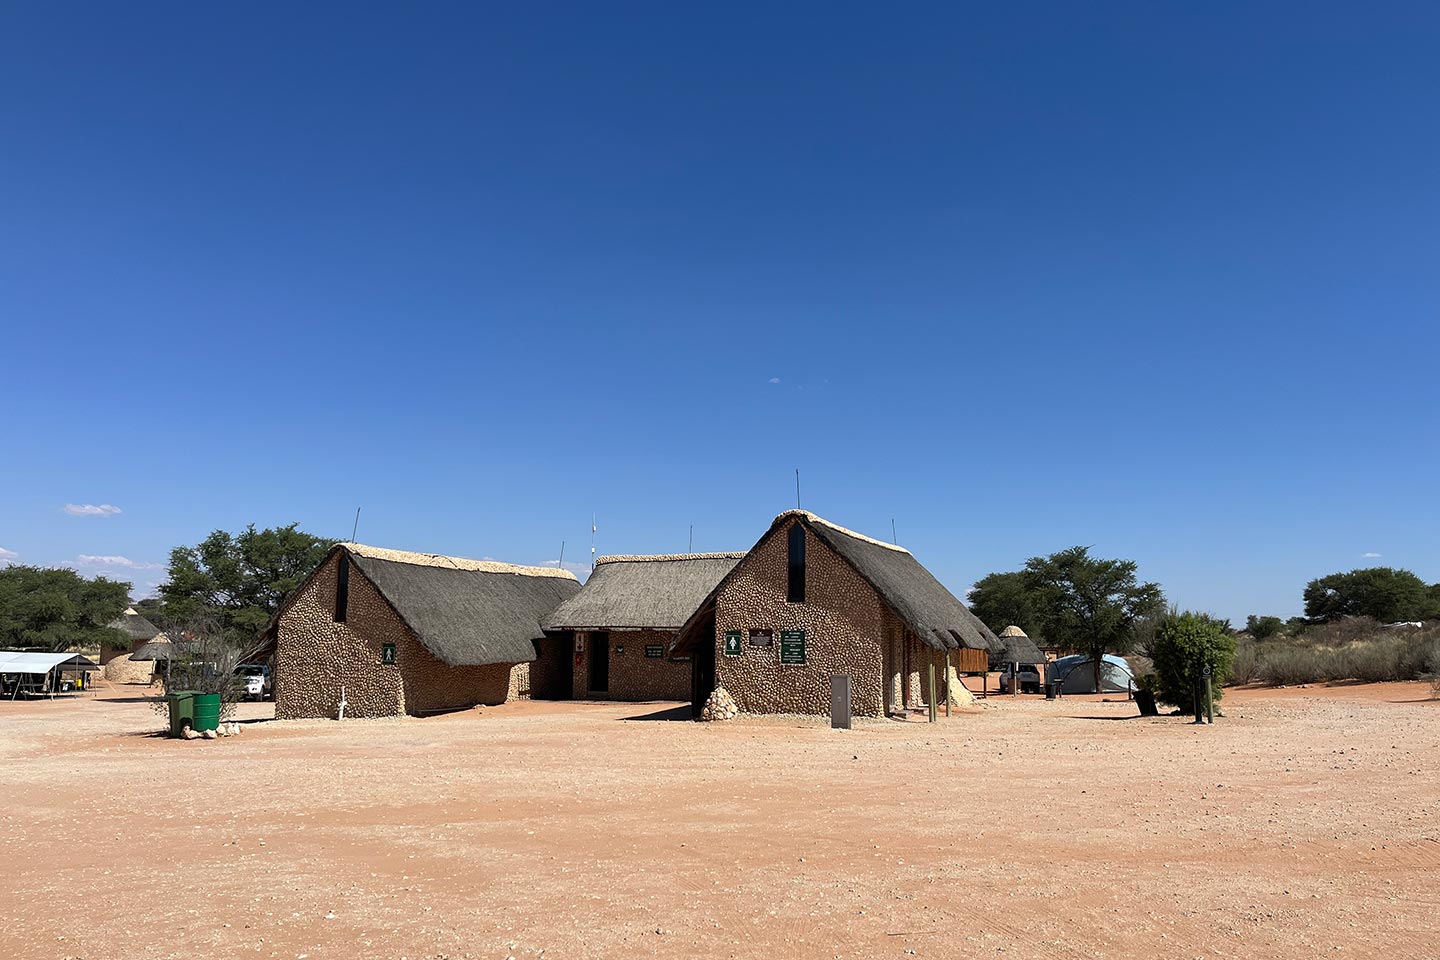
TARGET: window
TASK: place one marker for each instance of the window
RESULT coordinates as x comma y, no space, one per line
795,593
342,589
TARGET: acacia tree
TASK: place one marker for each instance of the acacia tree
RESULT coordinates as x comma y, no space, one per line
1384,593
240,579
53,608
1001,599
1091,605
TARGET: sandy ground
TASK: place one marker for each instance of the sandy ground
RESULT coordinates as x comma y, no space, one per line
1305,823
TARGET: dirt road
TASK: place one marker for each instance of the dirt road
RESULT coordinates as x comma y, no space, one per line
1305,823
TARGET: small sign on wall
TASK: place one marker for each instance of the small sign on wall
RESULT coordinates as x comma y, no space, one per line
654,651
387,654
792,647
764,637
732,643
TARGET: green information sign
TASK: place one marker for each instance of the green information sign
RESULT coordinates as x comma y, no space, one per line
654,652
732,643
792,647
387,653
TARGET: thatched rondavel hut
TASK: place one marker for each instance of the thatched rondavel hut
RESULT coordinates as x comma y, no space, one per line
625,616
1017,648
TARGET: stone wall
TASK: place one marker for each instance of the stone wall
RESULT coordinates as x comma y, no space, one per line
844,620
119,668
315,657
633,676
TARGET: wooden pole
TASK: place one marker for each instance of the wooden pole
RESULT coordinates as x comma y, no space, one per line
948,675
933,705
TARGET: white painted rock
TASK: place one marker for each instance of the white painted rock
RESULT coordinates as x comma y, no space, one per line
720,706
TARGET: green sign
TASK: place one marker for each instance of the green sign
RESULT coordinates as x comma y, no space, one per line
387,653
654,652
732,643
792,647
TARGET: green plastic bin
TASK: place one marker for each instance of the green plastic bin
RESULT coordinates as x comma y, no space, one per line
207,711
182,710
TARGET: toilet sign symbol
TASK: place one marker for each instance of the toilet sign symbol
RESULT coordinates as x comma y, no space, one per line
732,643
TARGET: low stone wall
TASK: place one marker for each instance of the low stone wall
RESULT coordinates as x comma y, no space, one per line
121,669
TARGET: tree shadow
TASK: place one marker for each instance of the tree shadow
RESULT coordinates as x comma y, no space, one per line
682,712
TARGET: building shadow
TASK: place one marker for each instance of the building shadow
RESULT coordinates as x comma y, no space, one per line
681,712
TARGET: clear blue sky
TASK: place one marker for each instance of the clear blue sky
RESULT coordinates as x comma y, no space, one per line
1161,278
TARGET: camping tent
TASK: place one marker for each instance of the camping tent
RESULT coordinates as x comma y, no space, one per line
1077,674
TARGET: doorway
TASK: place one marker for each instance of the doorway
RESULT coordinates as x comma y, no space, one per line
702,663
599,663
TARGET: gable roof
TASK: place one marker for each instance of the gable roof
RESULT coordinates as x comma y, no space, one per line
643,593
935,615
466,612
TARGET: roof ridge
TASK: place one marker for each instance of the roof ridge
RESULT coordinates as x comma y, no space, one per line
816,518
453,563
667,557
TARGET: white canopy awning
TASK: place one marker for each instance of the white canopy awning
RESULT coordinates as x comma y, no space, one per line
14,662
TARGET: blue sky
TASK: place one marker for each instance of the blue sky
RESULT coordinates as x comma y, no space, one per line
1160,278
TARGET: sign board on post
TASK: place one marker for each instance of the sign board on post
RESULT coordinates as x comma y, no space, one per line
840,702
792,647
732,643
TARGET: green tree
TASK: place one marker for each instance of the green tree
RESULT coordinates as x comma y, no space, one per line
1185,643
240,579
1384,593
1263,628
1001,599
44,608
1091,605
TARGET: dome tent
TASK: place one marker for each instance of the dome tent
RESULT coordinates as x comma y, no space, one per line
1077,674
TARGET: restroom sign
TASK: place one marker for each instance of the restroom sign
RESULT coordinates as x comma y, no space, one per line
732,643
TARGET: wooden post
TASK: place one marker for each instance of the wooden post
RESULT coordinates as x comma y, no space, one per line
933,705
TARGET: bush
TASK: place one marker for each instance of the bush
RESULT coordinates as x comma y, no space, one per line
1184,643
1349,650
1246,668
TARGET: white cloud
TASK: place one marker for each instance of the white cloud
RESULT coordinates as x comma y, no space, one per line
92,509
8,557
579,569
1369,556
91,560
774,379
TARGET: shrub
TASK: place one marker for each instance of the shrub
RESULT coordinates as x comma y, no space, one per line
1184,643
1246,668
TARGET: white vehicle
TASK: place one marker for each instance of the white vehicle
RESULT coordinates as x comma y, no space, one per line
1029,678
255,680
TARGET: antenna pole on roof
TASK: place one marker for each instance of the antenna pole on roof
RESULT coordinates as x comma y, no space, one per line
560,564
592,542
692,539
797,488
356,527
893,539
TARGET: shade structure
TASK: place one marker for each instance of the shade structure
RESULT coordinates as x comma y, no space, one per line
15,661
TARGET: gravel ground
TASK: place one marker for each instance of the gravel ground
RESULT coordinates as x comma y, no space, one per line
1304,823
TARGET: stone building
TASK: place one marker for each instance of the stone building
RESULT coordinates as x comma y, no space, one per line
118,667
811,600
624,618
395,633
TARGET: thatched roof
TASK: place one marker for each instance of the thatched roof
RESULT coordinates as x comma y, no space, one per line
931,612
1018,647
134,625
466,612
154,650
643,593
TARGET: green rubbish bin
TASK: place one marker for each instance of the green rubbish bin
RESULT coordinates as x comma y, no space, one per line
182,710
207,711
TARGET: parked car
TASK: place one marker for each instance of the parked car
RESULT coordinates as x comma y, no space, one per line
256,679
1029,678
